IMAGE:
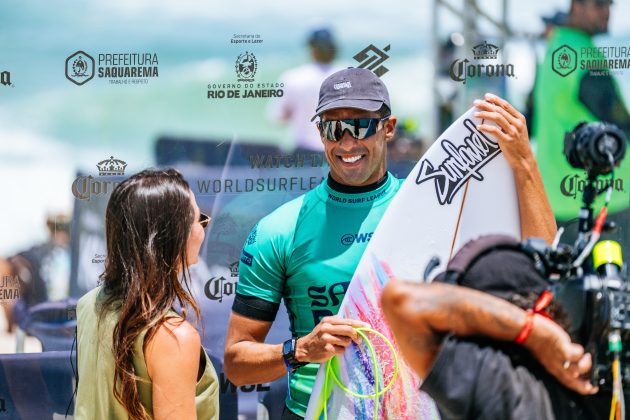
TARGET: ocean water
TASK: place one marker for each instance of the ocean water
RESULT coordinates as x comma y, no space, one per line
50,128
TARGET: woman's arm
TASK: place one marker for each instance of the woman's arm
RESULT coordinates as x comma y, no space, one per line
172,357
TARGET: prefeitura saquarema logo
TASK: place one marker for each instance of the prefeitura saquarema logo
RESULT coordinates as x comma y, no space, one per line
564,60
80,68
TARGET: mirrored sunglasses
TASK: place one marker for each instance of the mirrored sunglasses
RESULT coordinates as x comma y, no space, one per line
359,128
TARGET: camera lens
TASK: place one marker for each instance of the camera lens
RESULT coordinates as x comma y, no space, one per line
608,144
590,146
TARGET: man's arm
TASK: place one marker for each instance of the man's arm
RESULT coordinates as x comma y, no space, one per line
421,314
537,219
248,360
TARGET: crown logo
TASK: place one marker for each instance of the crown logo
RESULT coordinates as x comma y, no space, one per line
234,269
485,51
111,166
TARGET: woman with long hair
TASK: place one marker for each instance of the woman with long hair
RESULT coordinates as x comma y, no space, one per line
137,357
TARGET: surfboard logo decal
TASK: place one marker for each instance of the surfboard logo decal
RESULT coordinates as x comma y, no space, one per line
462,163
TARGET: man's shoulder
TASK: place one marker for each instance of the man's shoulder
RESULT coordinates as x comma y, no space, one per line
569,36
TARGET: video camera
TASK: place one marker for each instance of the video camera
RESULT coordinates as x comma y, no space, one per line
587,277
597,300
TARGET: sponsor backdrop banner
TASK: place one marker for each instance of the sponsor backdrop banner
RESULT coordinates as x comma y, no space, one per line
224,92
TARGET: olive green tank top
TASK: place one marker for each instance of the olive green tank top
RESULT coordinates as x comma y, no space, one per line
95,396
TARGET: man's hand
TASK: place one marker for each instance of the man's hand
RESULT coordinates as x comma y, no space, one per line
510,130
329,338
566,361
537,219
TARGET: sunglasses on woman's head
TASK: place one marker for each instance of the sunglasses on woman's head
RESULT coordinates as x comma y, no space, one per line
204,220
359,128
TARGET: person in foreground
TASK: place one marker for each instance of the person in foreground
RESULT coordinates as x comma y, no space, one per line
296,253
137,357
478,355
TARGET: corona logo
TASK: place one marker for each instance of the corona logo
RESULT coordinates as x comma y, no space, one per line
111,167
485,51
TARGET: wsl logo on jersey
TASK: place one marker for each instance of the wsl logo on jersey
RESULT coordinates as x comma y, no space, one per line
359,238
463,69
462,163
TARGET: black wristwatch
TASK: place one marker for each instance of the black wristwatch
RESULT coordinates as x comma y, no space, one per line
288,353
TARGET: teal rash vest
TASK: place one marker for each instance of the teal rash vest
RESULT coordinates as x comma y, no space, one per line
306,252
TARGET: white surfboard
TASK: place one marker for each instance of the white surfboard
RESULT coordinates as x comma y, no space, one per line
461,188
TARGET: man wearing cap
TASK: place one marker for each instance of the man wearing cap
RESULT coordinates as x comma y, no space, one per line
568,92
479,353
301,87
306,251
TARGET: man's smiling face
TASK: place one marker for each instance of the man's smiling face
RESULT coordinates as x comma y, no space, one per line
358,162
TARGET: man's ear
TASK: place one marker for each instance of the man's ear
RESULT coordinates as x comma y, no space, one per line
390,128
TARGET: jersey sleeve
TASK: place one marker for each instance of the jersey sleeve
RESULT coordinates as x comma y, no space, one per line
261,270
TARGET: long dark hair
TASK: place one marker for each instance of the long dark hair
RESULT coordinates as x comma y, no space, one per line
148,220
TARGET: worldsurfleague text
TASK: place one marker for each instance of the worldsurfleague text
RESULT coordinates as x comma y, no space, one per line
262,184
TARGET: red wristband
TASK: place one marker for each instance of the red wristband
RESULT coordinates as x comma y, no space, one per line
527,328
539,308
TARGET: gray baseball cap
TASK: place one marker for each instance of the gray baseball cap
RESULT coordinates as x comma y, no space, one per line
352,88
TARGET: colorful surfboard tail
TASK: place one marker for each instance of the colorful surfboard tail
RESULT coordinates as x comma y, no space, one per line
379,382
